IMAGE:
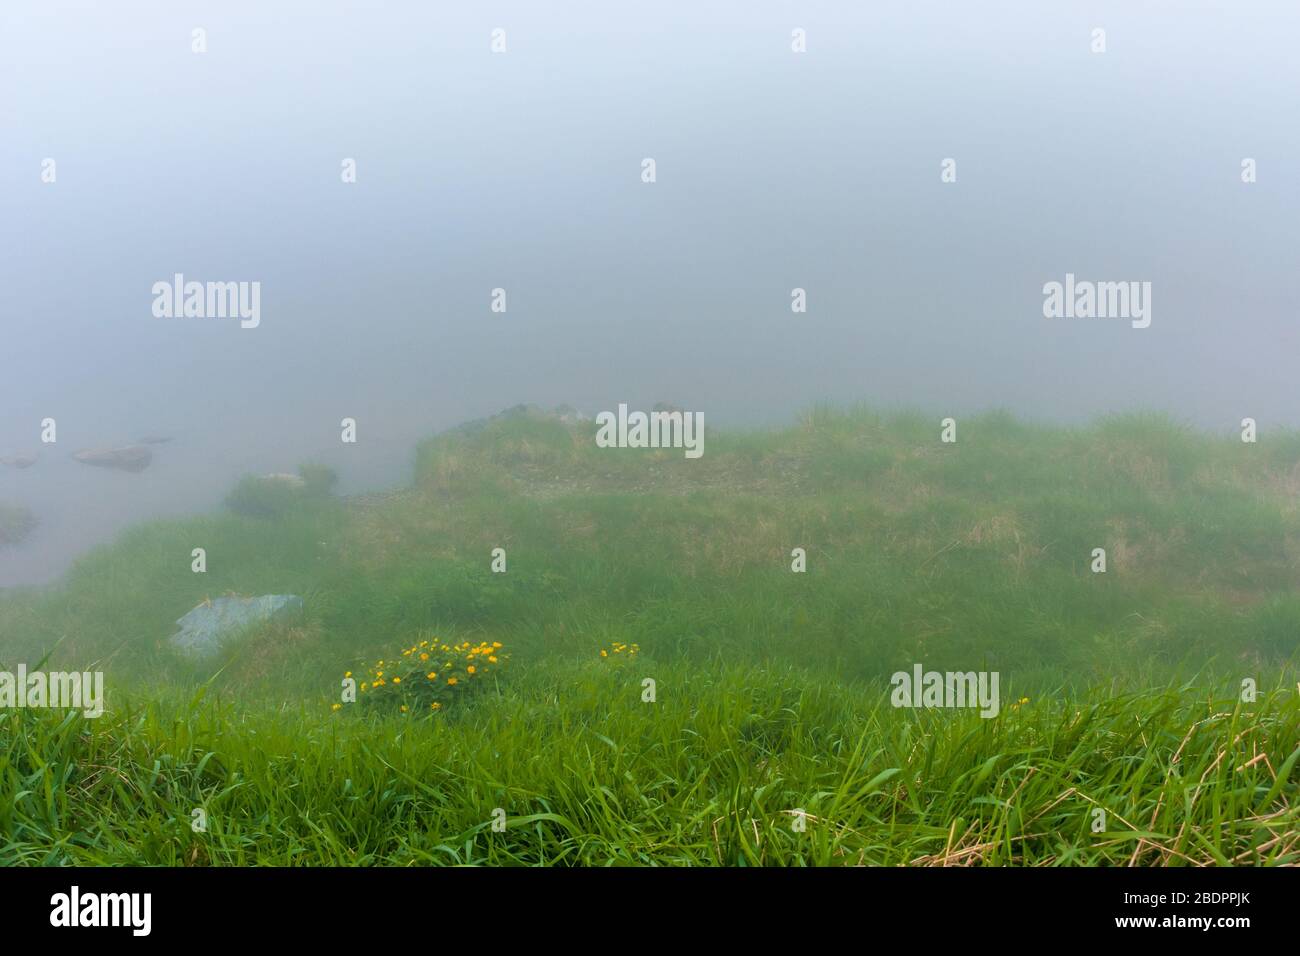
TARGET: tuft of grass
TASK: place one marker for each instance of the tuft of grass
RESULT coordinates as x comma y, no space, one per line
17,522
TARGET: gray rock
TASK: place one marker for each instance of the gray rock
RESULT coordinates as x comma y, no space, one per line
569,415
564,414
207,628
130,458
19,461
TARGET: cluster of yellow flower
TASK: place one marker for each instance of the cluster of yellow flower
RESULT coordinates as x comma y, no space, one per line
618,647
429,673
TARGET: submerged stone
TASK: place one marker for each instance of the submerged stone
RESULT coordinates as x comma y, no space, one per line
131,458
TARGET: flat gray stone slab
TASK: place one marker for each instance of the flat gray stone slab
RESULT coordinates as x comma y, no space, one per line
206,629
133,458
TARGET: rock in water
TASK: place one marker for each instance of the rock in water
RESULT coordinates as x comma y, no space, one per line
131,458
207,628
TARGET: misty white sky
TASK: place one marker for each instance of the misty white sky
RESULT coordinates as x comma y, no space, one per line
522,170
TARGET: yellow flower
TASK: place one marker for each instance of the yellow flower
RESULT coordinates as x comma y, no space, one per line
435,705
433,675
337,707
604,653
451,681
397,680
424,657
348,674
496,643
470,668
403,708
492,659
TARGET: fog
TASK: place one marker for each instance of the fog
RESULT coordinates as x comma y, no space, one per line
522,170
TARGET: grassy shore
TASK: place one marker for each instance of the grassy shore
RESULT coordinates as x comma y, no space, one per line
771,739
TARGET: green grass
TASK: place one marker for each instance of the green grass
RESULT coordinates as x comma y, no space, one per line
16,524
772,687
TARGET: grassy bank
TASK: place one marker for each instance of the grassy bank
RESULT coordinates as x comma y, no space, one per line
772,690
